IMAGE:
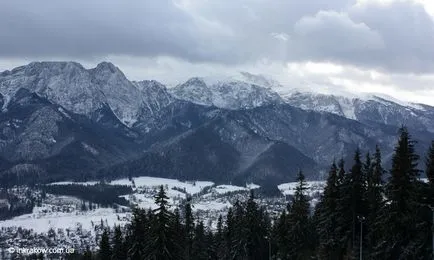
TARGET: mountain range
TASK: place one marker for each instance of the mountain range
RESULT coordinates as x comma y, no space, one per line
61,121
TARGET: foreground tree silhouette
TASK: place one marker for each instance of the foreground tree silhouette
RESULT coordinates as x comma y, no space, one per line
430,164
104,245
327,218
400,214
118,251
300,238
375,203
162,243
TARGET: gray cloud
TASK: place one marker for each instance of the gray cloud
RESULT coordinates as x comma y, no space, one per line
333,36
95,28
408,33
395,38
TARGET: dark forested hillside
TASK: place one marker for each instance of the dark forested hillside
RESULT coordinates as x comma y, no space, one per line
359,215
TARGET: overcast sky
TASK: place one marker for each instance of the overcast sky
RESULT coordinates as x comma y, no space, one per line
384,46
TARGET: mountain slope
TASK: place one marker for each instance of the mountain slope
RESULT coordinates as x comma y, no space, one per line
45,136
84,91
227,93
263,145
367,109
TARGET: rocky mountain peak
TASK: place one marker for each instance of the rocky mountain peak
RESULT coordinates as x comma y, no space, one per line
228,93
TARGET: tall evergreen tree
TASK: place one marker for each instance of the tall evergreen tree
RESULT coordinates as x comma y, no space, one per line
238,247
430,164
401,213
375,203
189,228
255,230
299,236
162,243
199,246
119,251
281,230
327,218
358,204
341,172
229,234
137,234
220,239
105,251
179,233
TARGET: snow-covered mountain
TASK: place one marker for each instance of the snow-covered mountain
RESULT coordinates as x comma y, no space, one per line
59,119
367,108
246,90
85,91
229,93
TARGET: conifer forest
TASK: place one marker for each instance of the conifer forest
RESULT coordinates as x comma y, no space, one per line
365,212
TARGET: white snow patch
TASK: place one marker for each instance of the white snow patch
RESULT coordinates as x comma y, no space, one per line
42,222
89,148
87,183
312,187
191,187
252,186
225,188
211,206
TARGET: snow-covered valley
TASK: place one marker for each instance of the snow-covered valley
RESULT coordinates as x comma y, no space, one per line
71,221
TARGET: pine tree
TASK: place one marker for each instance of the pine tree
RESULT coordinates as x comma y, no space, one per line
401,213
199,245
189,228
255,230
430,164
220,239
368,170
327,218
138,234
375,202
238,243
105,251
179,232
229,234
426,196
162,243
281,233
358,205
119,251
212,246
299,237
341,172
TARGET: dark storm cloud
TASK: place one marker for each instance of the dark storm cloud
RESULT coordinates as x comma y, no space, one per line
93,28
397,37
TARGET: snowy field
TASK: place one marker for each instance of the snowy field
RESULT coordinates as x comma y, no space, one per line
313,188
88,183
208,199
190,187
42,222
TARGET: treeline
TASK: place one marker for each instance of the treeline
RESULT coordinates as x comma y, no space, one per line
358,214
102,194
12,205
